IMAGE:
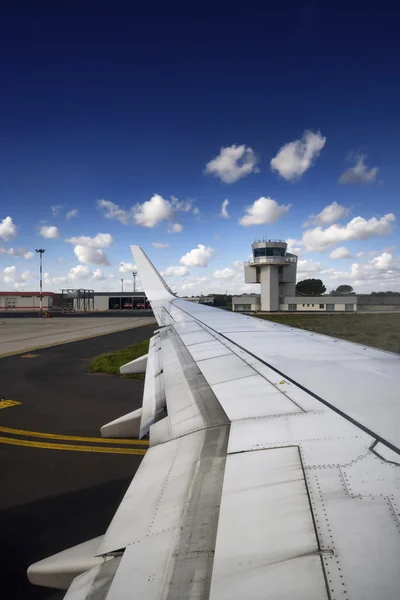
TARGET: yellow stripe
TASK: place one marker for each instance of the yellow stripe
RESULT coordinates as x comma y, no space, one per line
27,443
73,438
8,403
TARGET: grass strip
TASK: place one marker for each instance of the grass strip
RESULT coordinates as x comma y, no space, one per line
112,361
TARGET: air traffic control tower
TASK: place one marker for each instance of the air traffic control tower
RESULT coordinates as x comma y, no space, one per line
275,269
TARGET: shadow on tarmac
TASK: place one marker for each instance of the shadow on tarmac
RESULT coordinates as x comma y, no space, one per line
35,530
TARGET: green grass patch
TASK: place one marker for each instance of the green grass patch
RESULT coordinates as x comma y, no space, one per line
111,362
376,330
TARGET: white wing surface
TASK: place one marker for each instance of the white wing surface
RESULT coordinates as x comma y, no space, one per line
273,469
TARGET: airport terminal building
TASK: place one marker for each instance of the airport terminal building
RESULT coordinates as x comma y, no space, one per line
70,300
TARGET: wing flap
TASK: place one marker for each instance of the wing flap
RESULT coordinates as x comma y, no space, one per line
273,545
174,559
191,404
154,389
157,495
142,572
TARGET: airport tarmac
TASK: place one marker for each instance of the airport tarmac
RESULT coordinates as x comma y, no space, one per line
60,482
23,335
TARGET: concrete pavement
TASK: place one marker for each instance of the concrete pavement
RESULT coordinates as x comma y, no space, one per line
24,335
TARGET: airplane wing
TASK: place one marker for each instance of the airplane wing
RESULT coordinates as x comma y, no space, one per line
273,469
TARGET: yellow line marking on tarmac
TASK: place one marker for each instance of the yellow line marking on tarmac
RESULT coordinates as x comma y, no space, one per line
72,438
7,403
29,355
71,448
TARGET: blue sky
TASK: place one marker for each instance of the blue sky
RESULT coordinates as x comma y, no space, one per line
296,105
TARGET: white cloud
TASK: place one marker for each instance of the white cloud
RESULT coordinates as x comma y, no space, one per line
197,282
160,245
60,280
198,257
233,163
238,264
175,228
17,252
90,256
98,275
294,158
206,285
182,205
152,212
319,240
330,214
359,173
224,209
383,261
72,213
113,211
224,274
305,267
60,259
175,272
196,211
79,272
101,240
8,229
55,210
79,275
380,273
374,252
50,232
47,279
340,252
148,214
295,246
125,267
263,210
11,275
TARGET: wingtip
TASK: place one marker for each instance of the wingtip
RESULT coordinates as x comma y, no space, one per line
153,284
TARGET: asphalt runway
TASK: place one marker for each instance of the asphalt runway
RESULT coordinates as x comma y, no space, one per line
53,498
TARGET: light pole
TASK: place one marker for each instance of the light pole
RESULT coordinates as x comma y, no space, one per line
41,251
122,285
134,273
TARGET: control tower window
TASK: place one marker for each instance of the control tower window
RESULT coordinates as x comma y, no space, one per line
259,252
269,252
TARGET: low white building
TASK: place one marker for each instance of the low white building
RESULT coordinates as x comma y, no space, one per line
319,303
246,303
252,303
25,301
